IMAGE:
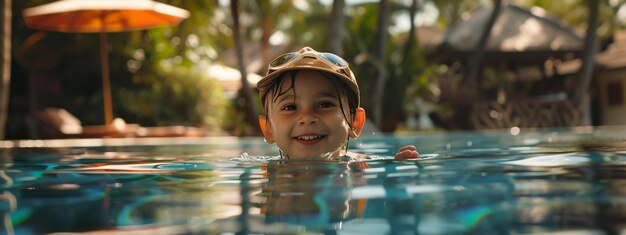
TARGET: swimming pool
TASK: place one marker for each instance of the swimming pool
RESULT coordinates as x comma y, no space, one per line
558,181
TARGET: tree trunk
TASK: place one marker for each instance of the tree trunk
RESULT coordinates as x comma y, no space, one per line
266,27
581,97
379,54
475,60
5,65
411,40
249,105
335,29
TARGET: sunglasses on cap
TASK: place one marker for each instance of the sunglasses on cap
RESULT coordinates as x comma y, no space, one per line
330,59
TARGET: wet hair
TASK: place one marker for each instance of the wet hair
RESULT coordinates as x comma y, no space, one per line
276,89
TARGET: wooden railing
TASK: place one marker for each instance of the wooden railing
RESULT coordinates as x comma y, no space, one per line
524,114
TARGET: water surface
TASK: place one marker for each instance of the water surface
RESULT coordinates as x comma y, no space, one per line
561,181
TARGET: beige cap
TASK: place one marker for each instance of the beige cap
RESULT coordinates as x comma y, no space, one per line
313,63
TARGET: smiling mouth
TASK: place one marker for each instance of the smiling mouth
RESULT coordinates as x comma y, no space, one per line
309,137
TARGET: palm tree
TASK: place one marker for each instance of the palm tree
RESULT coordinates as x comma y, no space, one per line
246,91
5,64
270,15
411,40
479,51
379,54
266,27
335,29
581,97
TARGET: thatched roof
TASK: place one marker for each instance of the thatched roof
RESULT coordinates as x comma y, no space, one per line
614,57
518,33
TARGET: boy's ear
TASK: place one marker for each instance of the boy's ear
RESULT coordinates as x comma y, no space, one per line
266,129
358,123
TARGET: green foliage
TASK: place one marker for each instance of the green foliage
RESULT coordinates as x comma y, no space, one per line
157,75
305,23
575,13
167,71
402,66
451,11
180,96
359,48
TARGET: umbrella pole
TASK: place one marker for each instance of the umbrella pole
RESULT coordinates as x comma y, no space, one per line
106,87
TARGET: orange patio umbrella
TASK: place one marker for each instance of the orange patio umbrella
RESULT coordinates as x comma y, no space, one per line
103,16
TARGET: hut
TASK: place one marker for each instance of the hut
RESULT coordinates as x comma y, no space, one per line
518,84
609,81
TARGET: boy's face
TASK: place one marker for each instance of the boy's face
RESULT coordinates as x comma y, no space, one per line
307,121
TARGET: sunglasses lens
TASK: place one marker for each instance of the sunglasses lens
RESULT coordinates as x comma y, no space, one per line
335,59
281,60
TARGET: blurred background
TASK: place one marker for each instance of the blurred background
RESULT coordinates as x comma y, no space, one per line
422,65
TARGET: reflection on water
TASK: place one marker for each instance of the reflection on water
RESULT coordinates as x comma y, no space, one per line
527,183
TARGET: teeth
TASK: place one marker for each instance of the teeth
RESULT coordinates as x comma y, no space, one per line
310,137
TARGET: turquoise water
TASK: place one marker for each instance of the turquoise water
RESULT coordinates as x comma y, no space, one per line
506,182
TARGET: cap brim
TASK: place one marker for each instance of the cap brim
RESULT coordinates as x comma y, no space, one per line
311,64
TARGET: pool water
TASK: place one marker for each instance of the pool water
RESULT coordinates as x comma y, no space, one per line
558,181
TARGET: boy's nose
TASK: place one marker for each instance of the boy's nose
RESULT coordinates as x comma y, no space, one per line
308,120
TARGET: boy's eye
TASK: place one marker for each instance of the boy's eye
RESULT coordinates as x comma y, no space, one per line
327,104
289,107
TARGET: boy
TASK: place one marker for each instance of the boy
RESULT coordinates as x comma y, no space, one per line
312,107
